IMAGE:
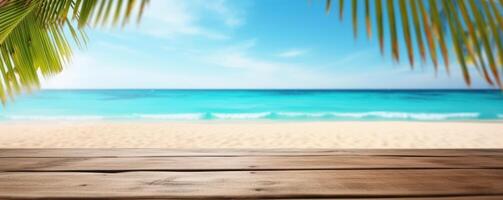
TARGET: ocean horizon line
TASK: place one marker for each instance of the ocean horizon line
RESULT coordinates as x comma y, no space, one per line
272,89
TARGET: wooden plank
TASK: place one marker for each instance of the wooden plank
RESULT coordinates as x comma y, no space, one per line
498,197
62,152
245,163
491,197
253,184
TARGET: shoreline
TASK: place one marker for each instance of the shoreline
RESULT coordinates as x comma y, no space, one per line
250,134
235,121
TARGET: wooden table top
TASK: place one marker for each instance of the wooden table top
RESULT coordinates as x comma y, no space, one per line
251,174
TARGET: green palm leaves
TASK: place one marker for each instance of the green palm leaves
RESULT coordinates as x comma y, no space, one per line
36,36
469,30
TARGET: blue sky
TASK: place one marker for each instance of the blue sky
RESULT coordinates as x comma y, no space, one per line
242,44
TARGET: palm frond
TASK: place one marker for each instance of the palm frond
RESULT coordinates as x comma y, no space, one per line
406,31
484,39
354,7
380,25
13,13
470,30
37,36
328,5
429,35
341,9
457,38
143,4
418,31
472,46
367,19
493,24
438,32
392,26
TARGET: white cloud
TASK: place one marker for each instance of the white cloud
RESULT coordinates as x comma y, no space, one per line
119,48
232,17
292,53
238,56
243,61
87,72
173,18
257,72
353,57
242,69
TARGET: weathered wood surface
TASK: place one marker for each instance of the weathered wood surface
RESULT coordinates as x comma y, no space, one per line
153,152
121,164
248,184
268,174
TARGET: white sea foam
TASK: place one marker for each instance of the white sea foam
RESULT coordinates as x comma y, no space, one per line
241,115
301,114
60,117
404,115
184,116
262,115
381,114
434,116
351,115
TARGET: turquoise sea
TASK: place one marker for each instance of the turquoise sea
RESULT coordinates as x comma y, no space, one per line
304,105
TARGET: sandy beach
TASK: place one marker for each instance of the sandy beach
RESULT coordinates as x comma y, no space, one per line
106,134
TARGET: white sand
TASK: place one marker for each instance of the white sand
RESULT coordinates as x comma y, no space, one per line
101,134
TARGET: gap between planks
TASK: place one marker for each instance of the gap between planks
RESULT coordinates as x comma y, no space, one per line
122,164
63,152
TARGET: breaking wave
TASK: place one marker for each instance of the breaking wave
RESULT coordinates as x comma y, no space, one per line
58,117
378,115
185,116
241,115
385,115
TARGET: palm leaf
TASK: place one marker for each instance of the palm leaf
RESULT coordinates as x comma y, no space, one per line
129,9
106,12
439,33
392,26
354,7
406,31
478,58
100,14
367,19
456,37
470,30
429,35
117,14
418,32
494,26
380,25
36,37
328,5
496,11
143,4
484,37
13,13
341,9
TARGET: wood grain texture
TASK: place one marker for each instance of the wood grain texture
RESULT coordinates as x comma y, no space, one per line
438,174
118,152
489,197
119,164
253,184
